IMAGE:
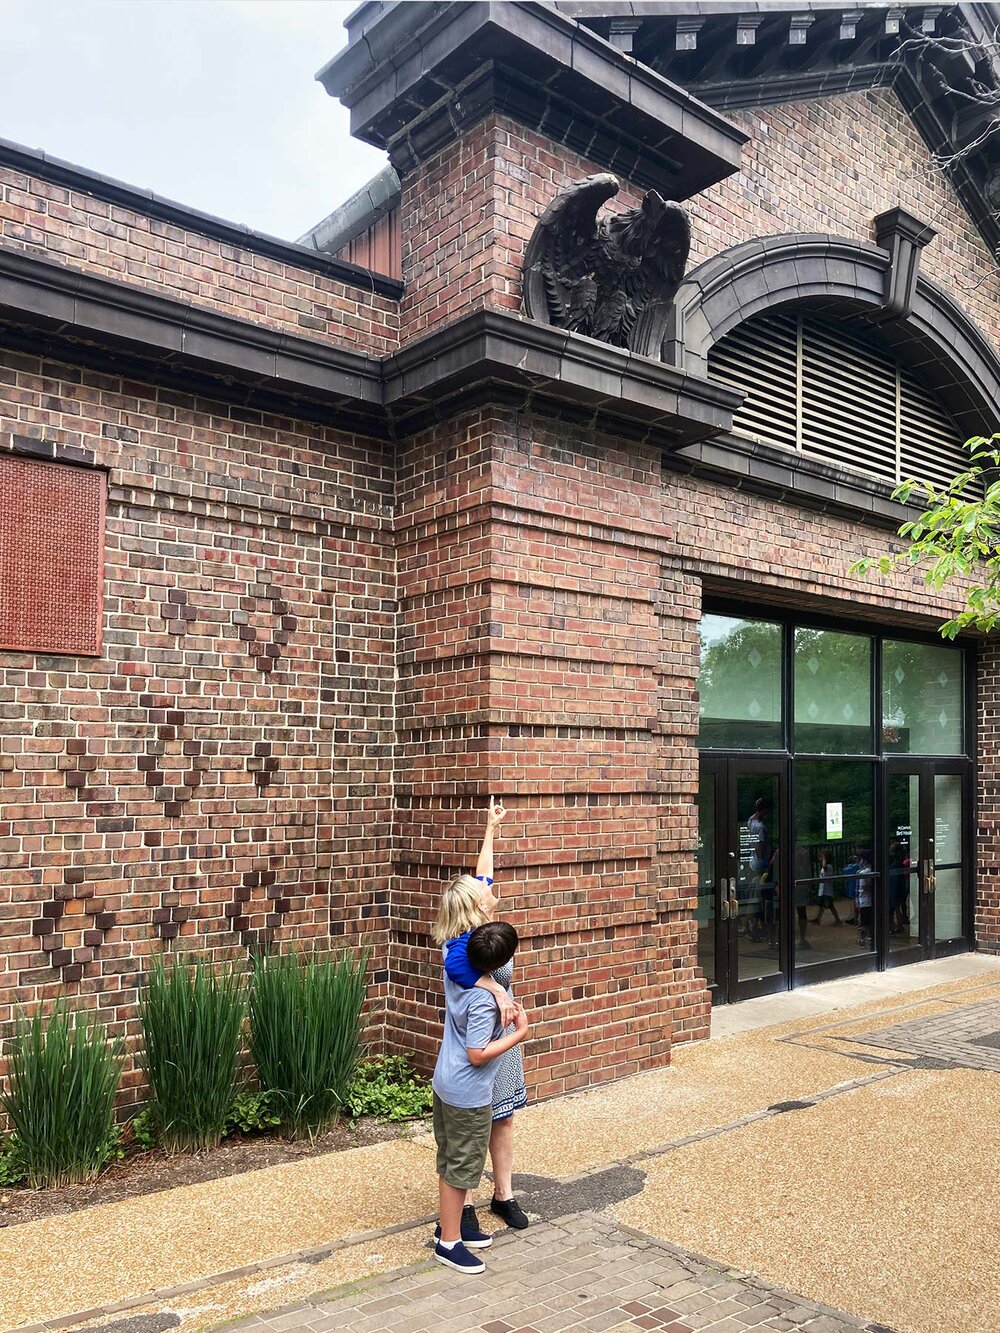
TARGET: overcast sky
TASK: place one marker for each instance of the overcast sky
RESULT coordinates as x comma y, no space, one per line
212,103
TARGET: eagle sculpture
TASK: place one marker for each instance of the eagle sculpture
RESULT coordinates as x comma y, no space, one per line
611,278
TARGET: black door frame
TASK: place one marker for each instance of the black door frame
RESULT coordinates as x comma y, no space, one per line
965,765
926,946
727,769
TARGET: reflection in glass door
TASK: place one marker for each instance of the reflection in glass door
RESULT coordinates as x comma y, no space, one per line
925,807
947,860
758,839
904,840
741,944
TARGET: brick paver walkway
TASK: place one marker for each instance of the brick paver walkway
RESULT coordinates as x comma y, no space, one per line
969,1037
582,1272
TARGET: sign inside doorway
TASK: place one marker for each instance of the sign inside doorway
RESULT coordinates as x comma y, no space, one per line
834,820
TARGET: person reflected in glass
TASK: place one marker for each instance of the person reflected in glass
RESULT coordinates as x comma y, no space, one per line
851,885
866,901
762,854
803,871
826,899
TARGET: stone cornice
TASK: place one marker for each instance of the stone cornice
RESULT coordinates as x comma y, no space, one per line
421,74
36,163
485,356
74,307
541,365
781,474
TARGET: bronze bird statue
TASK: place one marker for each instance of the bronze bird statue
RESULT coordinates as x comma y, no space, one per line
611,278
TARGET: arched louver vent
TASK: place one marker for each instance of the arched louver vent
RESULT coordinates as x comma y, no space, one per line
815,387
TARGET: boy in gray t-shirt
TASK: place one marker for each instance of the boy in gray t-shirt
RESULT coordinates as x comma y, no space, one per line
463,1090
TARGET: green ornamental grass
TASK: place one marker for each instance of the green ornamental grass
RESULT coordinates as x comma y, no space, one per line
192,1027
63,1075
305,1034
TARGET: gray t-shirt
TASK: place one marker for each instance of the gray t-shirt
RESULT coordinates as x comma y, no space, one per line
471,1019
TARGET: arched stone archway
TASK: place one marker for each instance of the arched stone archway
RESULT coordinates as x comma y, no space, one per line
843,278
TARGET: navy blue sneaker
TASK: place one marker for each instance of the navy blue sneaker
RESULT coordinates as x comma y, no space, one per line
473,1237
459,1258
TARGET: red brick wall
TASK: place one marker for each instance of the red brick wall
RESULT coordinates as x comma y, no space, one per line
247,662
466,217
828,165
526,669
549,601
82,232
535,584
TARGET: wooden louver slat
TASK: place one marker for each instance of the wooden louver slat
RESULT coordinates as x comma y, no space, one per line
817,387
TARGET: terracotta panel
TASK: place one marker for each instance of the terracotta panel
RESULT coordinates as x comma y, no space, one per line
51,557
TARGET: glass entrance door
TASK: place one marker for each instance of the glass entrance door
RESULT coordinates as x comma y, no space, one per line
743,905
927,859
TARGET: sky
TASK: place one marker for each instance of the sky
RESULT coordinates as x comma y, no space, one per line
212,103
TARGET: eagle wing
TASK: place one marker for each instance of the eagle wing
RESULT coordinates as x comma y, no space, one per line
664,255
652,283
559,264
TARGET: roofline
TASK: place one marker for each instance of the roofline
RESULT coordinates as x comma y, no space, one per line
363,209
59,172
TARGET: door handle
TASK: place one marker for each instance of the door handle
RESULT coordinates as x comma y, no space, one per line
734,902
723,901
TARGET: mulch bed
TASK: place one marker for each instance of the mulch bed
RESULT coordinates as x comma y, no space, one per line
147,1172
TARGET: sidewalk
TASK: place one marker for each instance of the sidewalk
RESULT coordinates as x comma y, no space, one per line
582,1272
858,1203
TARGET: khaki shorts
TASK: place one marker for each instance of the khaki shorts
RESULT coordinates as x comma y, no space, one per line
463,1137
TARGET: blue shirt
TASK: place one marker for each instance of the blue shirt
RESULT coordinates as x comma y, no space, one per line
456,961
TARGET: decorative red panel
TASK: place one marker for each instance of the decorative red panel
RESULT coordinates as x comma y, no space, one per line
51,557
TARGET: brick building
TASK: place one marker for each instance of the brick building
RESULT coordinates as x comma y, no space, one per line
306,548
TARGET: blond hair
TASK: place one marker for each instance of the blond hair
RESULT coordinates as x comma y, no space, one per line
460,909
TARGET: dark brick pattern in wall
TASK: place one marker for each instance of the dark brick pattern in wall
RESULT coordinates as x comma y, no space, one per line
195,788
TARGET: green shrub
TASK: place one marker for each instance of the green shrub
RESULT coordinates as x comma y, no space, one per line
252,1113
387,1088
63,1074
12,1170
144,1130
305,1034
192,1027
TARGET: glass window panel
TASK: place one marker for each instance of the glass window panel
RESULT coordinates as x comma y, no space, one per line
903,836
833,694
836,891
948,904
740,684
922,698
758,811
947,819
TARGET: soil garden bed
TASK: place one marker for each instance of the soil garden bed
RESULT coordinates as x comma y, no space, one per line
141,1172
